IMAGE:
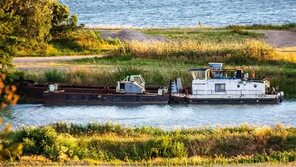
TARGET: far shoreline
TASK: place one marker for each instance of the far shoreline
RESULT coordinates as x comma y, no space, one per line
291,25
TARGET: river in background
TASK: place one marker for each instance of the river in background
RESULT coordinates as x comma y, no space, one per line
162,116
173,13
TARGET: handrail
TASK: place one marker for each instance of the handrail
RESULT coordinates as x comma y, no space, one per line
213,92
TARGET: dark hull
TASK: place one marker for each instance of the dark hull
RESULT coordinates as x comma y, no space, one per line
103,95
104,99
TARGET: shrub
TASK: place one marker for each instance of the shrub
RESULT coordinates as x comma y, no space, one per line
54,76
246,144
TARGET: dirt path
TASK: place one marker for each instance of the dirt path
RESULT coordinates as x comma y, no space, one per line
21,60
280,39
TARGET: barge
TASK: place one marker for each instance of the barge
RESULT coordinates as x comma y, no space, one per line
212,85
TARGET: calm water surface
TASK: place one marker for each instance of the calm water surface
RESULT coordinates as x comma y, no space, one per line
171,13
163,116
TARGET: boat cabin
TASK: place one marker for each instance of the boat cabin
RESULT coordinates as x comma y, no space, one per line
215,80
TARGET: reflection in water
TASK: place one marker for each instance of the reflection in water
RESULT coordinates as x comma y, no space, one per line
163,116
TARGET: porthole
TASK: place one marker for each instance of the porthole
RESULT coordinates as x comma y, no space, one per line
238,86
255,86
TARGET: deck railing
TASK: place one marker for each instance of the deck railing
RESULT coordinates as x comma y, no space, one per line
227,92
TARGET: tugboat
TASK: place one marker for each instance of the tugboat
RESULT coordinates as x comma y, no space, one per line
215,85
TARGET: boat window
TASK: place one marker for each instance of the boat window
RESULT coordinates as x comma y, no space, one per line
122,86
198,75
220,88
194,74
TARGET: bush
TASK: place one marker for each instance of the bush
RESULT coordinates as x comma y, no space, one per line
54,76
246,144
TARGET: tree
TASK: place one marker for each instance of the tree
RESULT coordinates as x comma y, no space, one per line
31,24
35,18
62,22
8,39
38,20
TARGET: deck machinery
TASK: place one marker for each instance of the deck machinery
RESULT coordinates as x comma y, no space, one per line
131,84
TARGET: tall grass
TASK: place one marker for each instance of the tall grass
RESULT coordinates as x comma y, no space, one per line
89,76
248,52
109,143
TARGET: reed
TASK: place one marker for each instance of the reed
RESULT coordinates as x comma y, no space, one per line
89,76
248,52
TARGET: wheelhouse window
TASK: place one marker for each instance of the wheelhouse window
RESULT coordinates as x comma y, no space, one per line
220,88
199,74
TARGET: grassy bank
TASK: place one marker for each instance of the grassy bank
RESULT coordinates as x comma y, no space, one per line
115,144
288,26
88,40
80,42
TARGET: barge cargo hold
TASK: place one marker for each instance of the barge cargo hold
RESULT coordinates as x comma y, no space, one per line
212,85
107,99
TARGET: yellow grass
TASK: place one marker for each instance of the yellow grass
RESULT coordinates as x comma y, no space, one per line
235,52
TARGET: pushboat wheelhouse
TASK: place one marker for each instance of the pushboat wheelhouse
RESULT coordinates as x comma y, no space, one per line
218,85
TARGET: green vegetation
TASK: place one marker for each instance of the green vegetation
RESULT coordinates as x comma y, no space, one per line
107,76
205,34
229,45
288,26
159,62
44,28
115,144
79,42
245,53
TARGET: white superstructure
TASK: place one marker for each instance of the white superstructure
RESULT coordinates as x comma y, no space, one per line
215,83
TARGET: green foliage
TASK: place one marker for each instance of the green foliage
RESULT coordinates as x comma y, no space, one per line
35,19
108,143
54,76
287,26
205,35
62,22
27,26
8,39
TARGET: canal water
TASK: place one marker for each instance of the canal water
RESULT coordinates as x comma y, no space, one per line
163,116
173,13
